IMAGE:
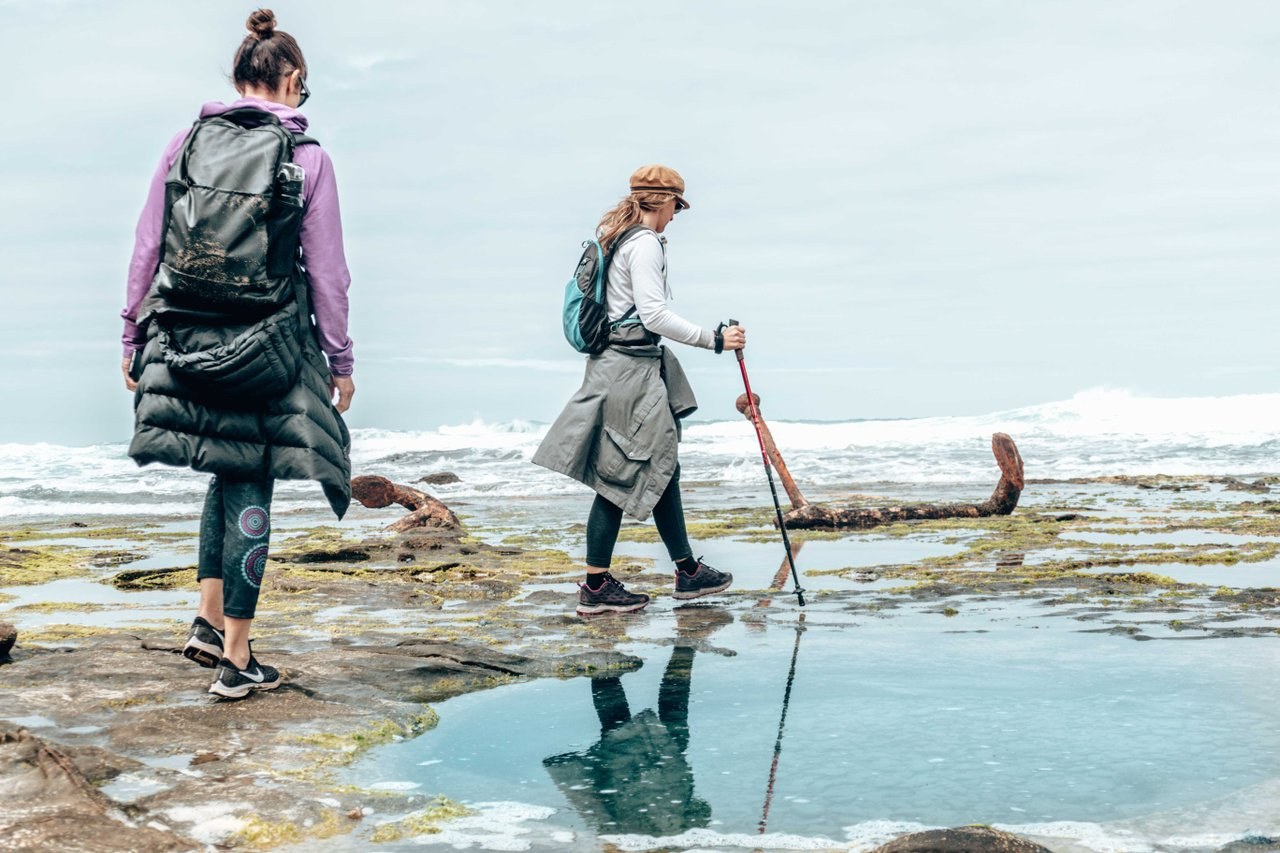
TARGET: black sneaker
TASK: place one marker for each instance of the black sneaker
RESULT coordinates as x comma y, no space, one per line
204,644
611,597
705,581
235,683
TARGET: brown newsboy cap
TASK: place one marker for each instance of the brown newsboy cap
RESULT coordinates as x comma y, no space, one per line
661,179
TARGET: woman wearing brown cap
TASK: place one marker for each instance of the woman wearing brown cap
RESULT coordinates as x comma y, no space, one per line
620,432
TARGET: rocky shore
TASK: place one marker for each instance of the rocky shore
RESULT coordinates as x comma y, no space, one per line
109,742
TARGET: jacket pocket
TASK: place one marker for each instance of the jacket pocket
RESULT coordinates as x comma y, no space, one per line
619,459
256,366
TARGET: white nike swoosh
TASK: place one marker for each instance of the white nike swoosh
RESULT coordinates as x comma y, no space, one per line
256,675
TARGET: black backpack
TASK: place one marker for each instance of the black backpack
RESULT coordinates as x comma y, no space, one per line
233,208
585,312
229,306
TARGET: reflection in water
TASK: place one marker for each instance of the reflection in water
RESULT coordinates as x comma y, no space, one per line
636,778
782,726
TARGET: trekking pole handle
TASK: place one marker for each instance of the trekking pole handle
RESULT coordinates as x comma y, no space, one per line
733,322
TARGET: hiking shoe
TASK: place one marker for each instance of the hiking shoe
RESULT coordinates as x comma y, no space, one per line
611,597
204,644
705,581
235,683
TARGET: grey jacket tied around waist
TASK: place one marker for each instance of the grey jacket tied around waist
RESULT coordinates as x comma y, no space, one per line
619,434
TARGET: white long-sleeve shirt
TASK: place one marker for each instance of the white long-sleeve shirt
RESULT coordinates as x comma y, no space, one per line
638,276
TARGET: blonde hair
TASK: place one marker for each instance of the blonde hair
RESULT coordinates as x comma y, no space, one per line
627,212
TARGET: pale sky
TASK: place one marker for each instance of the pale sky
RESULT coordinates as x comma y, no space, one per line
915,209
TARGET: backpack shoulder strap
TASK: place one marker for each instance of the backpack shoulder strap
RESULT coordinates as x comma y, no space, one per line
626,235
620,239
608,260
300,139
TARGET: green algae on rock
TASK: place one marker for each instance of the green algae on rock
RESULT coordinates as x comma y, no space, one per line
138,532
260,833
41,564
143,579
424,822
337,750
60,633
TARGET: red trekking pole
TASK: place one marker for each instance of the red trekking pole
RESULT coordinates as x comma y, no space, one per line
768,470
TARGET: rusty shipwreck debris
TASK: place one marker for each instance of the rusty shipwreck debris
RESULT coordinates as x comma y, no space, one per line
805,515
424,510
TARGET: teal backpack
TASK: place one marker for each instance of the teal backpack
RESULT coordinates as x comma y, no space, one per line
585,312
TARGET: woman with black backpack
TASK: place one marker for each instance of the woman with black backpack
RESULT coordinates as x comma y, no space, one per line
620,432
219,342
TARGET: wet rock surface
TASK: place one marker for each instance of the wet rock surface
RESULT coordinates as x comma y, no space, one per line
964,839
48,803
1252,844
442,478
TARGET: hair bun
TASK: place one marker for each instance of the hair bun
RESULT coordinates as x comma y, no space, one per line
262,23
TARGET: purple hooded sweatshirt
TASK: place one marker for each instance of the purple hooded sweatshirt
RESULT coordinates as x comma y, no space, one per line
321,239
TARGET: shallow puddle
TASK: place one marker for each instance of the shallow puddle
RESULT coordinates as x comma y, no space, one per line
754,564
86,542
170,558
994,714
128,787
110,606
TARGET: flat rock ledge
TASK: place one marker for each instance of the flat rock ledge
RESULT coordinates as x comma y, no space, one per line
151,717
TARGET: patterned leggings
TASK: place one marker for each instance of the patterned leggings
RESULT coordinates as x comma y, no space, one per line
234,531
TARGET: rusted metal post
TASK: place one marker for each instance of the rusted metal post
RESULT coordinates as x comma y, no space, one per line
1003,500
424,510
794,494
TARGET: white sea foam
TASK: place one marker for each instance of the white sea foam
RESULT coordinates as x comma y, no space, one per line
693,838
1095,433
214,822
871,834
394,786
1091,836
1209,841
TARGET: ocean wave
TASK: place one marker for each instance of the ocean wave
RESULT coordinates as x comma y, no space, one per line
1096,433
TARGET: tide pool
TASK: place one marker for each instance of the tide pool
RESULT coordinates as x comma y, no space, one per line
1002,716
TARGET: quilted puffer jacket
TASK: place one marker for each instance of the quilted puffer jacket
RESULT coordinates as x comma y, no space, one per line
298,435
